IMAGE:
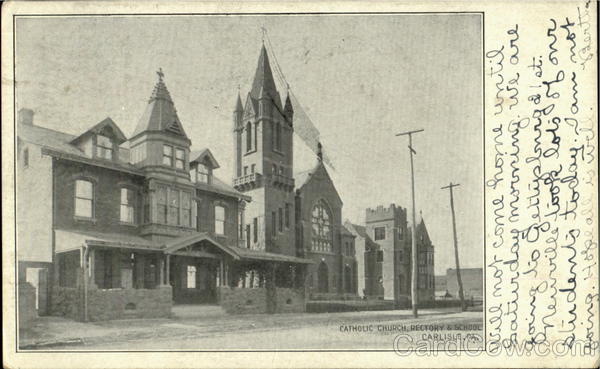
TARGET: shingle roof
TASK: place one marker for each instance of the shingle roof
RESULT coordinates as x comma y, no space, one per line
48,138
58,144
219,186
98,128
345,231
302,177
160,114
269,256
69,239
199,155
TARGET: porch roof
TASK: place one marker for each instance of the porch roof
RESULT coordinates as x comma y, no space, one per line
270,256
68,240
185,241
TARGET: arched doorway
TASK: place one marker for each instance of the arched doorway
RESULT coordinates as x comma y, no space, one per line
323,278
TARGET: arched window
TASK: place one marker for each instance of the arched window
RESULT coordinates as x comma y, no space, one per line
321,227
248,136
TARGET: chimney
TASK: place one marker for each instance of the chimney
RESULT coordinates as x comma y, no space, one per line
25,116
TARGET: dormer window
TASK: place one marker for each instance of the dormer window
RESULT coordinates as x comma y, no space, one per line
104,147
202,173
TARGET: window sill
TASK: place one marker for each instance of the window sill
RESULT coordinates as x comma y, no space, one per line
321,252
250,152
84,219
278,152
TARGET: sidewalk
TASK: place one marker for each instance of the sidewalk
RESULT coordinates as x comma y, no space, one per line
55,332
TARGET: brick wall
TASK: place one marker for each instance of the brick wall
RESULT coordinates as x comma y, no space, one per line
113,304
290,300
243,300
254,300
129,303
107,197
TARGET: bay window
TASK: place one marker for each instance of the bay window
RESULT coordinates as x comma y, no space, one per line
179,158
168,155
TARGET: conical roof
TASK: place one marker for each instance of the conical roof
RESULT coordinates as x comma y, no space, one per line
160,114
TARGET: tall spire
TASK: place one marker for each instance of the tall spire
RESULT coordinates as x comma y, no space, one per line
263,78
238,104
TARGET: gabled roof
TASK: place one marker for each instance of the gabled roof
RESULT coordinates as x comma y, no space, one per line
204,154
178,243
160,114
101,128
344,231
305,177
361,231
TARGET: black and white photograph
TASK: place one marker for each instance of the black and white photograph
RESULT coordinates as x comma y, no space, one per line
266,182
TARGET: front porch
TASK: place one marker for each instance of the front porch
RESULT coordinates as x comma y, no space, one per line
103,277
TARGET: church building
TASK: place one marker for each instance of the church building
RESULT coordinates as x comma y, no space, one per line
292,213
112,227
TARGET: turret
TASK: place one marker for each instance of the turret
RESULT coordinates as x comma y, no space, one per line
238,113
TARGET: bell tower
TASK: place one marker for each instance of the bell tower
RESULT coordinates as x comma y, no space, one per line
263,138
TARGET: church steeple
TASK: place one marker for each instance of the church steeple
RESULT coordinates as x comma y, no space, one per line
263,79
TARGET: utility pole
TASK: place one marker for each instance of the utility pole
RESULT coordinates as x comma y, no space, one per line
460,285
413,289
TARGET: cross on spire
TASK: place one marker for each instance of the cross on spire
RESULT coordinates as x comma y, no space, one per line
319,151
160,74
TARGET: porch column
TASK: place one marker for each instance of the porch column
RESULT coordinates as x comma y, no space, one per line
161,271
168,273
92,268
222,273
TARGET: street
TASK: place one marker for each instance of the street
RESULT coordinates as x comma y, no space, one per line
372,330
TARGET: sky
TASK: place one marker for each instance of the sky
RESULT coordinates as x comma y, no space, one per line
361,79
